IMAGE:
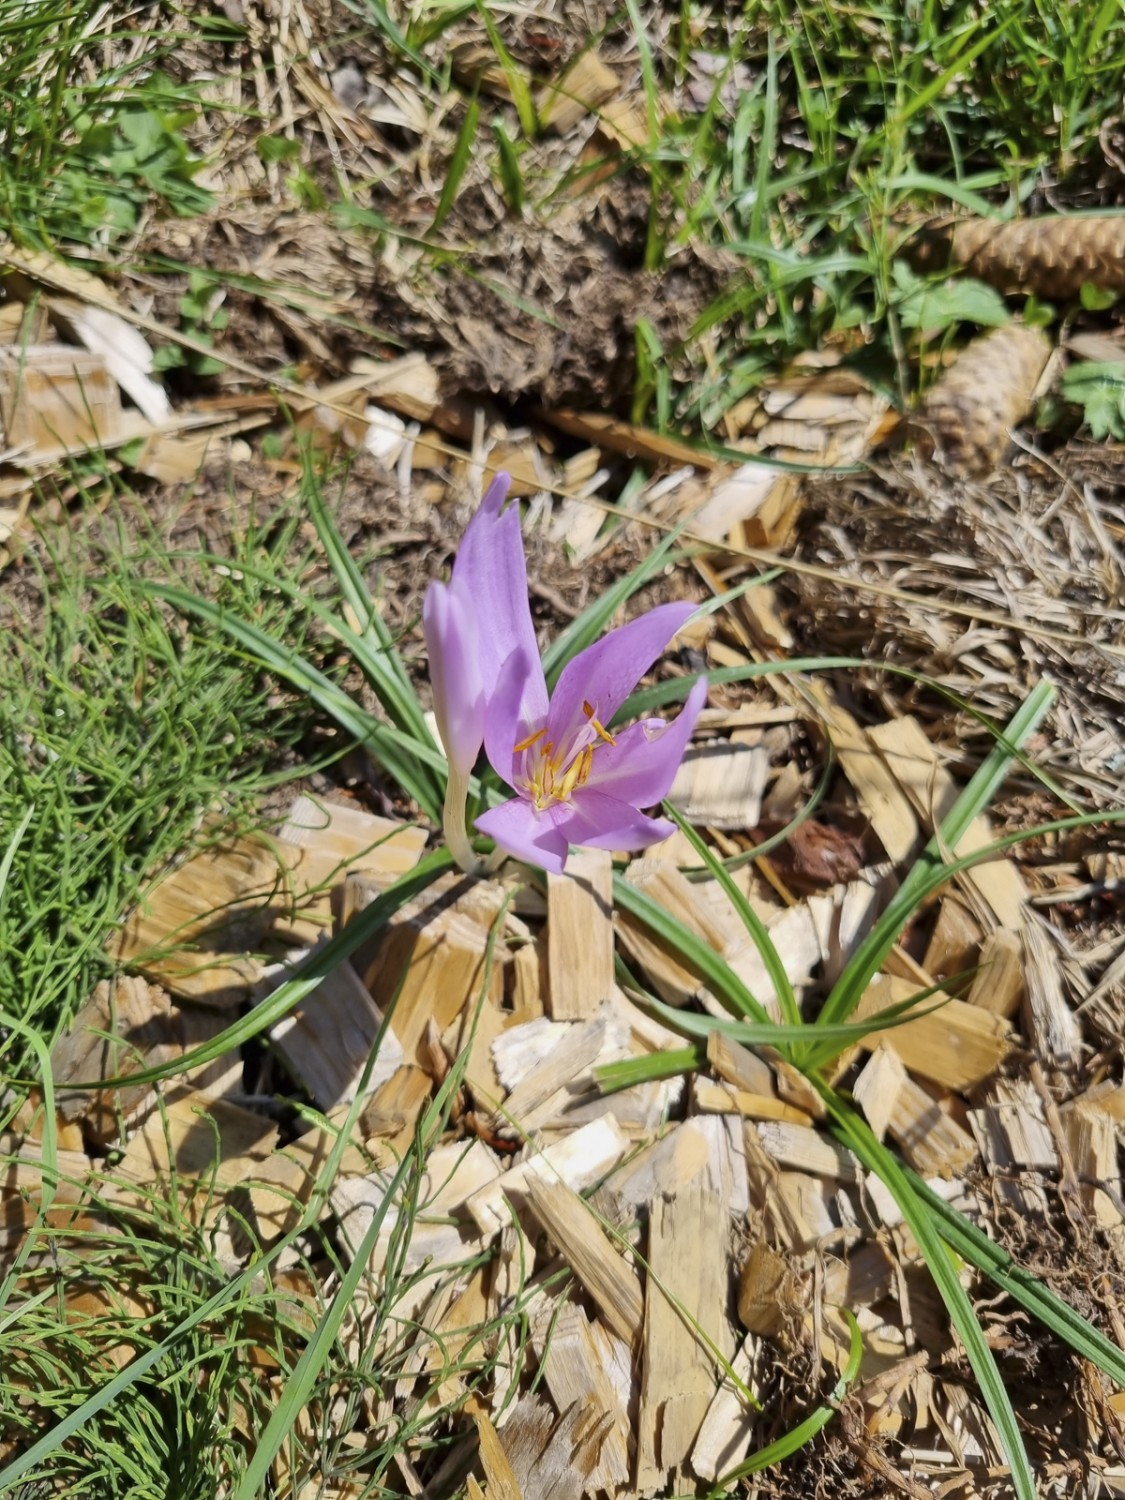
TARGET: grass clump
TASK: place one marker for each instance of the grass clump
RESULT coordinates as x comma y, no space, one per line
119,731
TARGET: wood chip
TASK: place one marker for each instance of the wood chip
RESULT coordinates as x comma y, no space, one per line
930,1139
121,1029
573,1367
998,985
586,85
956,1045
580,957
577,1160
684,1321
325,1041
878,791
432,960
932,793
589,1252
721,785
728,1428
1016,1143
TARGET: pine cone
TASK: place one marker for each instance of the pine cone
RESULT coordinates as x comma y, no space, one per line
966,419
1052,256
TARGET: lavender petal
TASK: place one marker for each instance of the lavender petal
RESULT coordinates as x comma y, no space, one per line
527,834
607,672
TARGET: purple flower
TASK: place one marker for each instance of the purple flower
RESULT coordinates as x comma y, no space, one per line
576,782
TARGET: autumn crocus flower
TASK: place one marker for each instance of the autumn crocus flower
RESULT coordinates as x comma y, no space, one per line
576,781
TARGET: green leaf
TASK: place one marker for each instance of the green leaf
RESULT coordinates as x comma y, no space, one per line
1096,298
935,306
277,148
1100,390
511,178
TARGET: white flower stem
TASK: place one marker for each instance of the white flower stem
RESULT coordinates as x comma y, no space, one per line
453,823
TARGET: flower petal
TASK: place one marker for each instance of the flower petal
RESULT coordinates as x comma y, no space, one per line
490,578
642,765
527,834
601,822
607,672
454,675
506,720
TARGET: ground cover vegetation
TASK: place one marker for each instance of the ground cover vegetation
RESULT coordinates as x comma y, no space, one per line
283,189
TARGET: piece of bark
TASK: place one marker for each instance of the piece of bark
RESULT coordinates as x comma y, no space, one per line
390,1113
999,985
21,1172
591,1255
195,930
54,395
440,1229
580,935
956,1045
1091,1137
529,979
709,1097
685,1319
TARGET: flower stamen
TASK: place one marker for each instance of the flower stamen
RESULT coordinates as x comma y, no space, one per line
599,729
532,739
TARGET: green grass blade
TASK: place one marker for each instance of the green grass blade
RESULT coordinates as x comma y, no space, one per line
351,584
458,162
721,980
594,619
857,1136
753,923
864,963
404,758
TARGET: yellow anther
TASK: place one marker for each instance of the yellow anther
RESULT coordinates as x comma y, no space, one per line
532,739
599,729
